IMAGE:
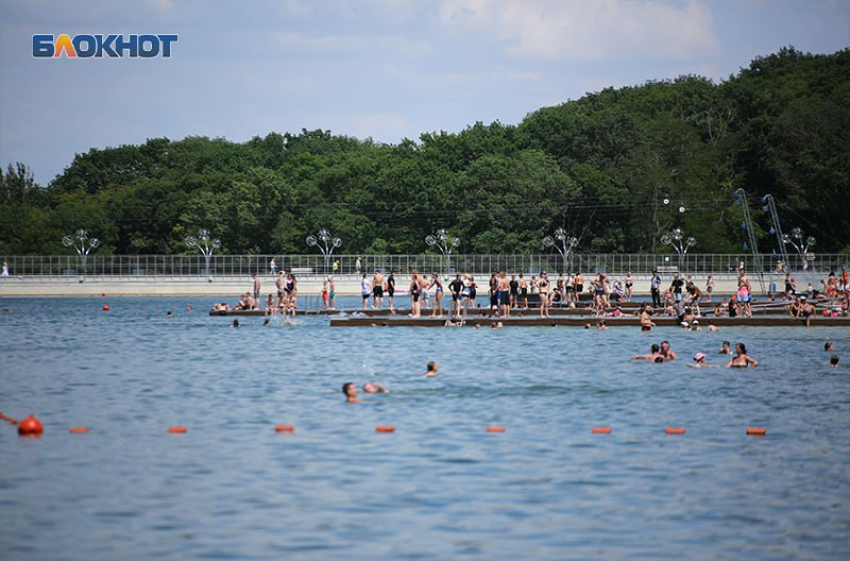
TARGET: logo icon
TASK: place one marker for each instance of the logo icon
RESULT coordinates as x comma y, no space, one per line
100,46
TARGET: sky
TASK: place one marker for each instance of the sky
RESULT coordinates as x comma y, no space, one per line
380,69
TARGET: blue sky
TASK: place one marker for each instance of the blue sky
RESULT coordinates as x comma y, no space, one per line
385,69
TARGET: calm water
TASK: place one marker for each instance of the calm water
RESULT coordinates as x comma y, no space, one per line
440,487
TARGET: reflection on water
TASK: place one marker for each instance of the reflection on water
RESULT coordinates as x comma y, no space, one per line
440,487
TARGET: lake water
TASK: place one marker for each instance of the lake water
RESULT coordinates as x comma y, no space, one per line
440,487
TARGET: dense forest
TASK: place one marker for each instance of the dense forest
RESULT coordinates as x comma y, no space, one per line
616,169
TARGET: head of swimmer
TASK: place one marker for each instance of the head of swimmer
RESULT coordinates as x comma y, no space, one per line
350,391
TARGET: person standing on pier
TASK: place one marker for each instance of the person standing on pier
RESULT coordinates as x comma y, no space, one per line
456,287
378,290
390,288
655,289
273,267
256,288
365,290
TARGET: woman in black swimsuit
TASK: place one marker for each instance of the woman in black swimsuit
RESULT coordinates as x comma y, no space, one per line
741,359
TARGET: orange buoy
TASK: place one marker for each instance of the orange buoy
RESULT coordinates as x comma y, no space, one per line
106,308
495,429
178,430
385,428
103,294
30,427
78,430
675,430
601,430
756,431
284,428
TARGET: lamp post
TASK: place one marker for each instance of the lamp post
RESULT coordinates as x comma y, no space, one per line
87,245
206,244
444,243
325,243
566,246
800,243
676,239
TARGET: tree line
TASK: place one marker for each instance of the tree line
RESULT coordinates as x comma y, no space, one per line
616,169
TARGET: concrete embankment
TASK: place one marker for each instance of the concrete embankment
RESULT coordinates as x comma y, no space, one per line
231,287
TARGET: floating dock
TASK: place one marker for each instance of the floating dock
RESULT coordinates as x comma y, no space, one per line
568,321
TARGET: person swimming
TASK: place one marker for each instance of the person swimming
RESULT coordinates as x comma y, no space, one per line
432,369
653,356
724,348
741,359
374,387
350,391
833,361
699,362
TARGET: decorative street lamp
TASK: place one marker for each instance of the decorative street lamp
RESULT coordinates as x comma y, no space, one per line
676,239
566,246
802,246
87,245
444,243
327,245
205,244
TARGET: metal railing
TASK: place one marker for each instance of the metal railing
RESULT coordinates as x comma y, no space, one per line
194,266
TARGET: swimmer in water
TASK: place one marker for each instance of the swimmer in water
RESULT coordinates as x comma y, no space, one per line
699,362
350,391
741,359
724,348
235,323
653,356
374,387
833,361
432,369
827,347
646,322
667,352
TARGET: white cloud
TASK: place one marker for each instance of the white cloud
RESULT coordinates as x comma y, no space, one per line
588,30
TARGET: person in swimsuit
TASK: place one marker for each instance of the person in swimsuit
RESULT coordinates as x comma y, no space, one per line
724,348
494,293
256,288
504,294
646,322
523,291
279,282
374,387
630,282
514,291
390,289
325,294
350,391
744,293
741,359
473,291
365,289
709,288
378,290
424,293
432,369
667,352
699,362
653,356
415,290
331,293
456,288
291,289
543,285
437,284
578,286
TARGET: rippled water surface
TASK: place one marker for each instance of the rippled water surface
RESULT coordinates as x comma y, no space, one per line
440,487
